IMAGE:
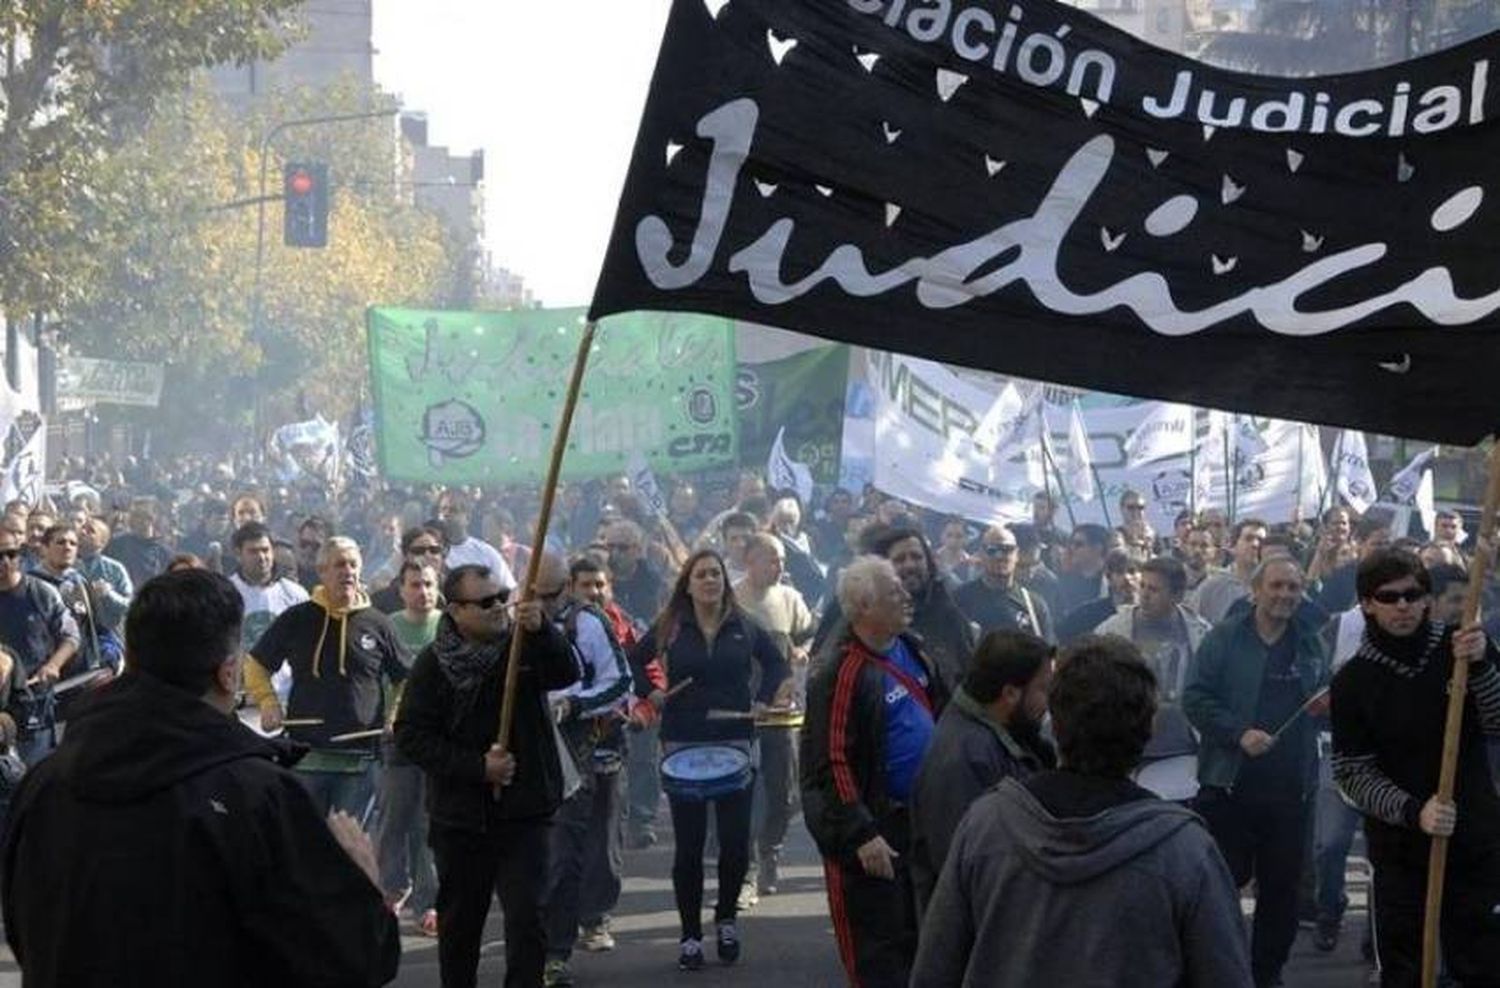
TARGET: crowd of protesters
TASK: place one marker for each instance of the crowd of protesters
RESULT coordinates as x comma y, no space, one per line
1153,701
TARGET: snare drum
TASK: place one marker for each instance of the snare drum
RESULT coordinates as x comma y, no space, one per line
1174,778
705,771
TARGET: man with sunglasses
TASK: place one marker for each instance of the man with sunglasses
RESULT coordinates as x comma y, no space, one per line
490,809
994,600
1389,709
36,625
424,545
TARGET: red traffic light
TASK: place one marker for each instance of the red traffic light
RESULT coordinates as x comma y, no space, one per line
299,183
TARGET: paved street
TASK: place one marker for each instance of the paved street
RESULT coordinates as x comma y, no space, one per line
788,939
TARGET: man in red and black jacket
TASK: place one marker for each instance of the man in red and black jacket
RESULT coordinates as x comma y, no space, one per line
871,707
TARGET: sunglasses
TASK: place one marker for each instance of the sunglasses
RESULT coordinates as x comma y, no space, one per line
999,549
426,550
1135,507
620,546
1410,596
487,603
10,555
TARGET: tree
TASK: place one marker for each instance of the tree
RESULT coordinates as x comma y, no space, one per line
79,76
177,286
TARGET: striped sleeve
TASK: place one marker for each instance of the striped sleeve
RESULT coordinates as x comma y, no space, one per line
838,733
1372,792
1484,687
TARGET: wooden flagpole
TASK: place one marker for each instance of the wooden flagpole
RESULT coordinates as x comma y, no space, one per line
539,538
1458,688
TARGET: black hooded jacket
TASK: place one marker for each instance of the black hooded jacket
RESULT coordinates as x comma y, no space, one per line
164,844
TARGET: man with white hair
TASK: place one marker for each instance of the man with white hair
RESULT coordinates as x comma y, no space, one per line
871,708
341,652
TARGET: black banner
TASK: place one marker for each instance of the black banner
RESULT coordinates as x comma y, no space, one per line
1022,187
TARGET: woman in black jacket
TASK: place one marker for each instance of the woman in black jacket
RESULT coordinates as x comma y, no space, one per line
721,667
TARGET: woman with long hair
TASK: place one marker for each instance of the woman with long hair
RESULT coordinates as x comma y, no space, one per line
721,669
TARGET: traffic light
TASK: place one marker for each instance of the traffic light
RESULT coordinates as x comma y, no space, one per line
304,189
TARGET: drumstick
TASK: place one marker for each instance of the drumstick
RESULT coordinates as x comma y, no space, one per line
303,722
1316,696
358,735
677,689
729,715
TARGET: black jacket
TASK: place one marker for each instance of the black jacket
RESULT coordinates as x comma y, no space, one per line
970,754
162,844
744,665
842,757
450,748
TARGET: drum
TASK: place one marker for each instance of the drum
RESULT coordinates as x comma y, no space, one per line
705,771
1174,778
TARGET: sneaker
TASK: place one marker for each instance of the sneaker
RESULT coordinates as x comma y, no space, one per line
766,879
749,896
557,974
691,956
428,926
729,942
1326,938
596,939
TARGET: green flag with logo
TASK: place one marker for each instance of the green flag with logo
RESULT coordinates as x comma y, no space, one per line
475,397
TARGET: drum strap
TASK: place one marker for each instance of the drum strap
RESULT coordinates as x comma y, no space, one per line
916,689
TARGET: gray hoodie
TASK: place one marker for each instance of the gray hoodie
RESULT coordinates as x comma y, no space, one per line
1137,895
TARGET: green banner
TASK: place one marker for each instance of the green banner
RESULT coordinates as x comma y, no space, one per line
473,397
804,393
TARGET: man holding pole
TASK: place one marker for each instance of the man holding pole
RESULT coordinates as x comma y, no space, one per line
1389,706
489,808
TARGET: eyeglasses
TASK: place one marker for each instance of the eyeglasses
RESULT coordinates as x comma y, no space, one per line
426,550
999,548
1135,507
487,603
1409,596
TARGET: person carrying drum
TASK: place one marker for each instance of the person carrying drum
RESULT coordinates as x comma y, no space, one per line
871,708
709,649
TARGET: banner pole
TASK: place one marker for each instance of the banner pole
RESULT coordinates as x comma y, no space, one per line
1228,480
1193,470
1297,505
1061,485
539,538
1103,501
1458,687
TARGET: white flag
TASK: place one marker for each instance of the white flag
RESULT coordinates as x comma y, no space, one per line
1080,460
1010,427
1404,484
643,482
1208,470
1248,443
1425,502
1351,464
1167,431
786,473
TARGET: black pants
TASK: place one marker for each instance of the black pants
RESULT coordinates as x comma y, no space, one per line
874,919
690,830
508,860
1470,926
1262,840
580,844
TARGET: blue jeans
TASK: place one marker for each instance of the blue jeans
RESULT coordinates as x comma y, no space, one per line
1337,822
347,791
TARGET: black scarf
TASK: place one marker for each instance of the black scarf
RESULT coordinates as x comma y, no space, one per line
465,664
1407,655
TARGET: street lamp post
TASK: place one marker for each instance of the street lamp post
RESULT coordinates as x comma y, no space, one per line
260,222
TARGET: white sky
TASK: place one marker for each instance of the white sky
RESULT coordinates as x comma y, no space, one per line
552,91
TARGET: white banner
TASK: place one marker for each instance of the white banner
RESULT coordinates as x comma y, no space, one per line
643,482
1166,432
118,382
925,415
785,473
1406,482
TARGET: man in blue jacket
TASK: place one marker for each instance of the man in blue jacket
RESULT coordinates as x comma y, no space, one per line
1251,693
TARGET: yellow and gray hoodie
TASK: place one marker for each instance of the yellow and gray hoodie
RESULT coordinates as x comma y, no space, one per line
340,658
